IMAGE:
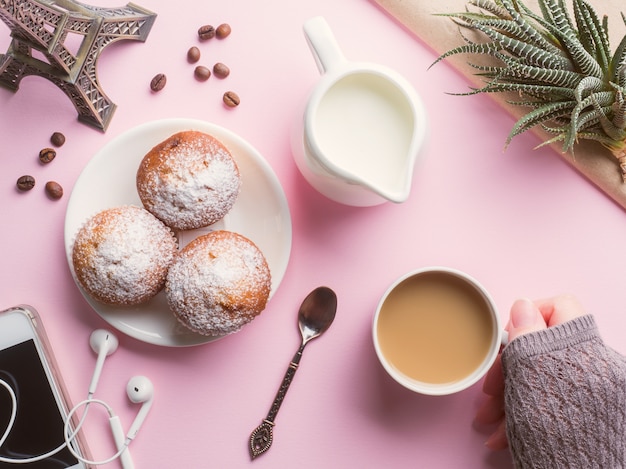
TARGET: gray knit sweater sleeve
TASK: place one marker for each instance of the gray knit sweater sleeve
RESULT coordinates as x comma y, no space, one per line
565,399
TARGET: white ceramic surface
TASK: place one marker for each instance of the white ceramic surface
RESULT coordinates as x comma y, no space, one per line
499,337
260,213
361,129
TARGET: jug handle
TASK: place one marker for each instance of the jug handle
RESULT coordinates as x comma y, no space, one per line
323,44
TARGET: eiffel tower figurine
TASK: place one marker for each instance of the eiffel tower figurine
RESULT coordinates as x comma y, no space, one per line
42,32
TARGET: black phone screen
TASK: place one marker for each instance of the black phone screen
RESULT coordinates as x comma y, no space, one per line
39,424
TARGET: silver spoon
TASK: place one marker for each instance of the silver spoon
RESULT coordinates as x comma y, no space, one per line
315,316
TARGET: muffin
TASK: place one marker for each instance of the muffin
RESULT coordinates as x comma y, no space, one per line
218,283
188,181
121,255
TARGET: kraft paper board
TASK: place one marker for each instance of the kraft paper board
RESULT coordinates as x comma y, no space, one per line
442,34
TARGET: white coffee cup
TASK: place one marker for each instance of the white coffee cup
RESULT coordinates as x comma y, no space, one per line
436,331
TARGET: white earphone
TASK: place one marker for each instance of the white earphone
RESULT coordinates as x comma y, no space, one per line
139,389
103,343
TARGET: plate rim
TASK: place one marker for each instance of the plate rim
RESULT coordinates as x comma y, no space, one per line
174,125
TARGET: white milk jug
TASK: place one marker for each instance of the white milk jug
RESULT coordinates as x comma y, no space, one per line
362,128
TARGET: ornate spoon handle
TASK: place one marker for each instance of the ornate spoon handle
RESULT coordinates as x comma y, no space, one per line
262,436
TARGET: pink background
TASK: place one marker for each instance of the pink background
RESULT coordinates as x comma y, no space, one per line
522,222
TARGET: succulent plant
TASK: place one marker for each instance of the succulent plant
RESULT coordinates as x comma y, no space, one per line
560,65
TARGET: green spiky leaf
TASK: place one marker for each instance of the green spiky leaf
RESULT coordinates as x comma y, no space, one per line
559,64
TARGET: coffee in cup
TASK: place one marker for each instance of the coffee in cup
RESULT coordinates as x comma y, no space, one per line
436,331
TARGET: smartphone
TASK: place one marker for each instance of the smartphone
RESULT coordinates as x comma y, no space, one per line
27,364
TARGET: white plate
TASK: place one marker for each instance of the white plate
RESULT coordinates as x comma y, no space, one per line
260,213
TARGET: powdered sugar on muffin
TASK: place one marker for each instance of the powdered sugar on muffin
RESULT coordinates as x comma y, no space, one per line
189,180
218,283
121,255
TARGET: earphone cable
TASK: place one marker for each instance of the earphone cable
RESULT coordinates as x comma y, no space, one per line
67,434
7,431
68,438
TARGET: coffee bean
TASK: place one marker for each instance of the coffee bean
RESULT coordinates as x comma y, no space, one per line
54,190
223,30
220,70
47,155
206,32
193,55
57,139
231,99
202,73
25,183
158,82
